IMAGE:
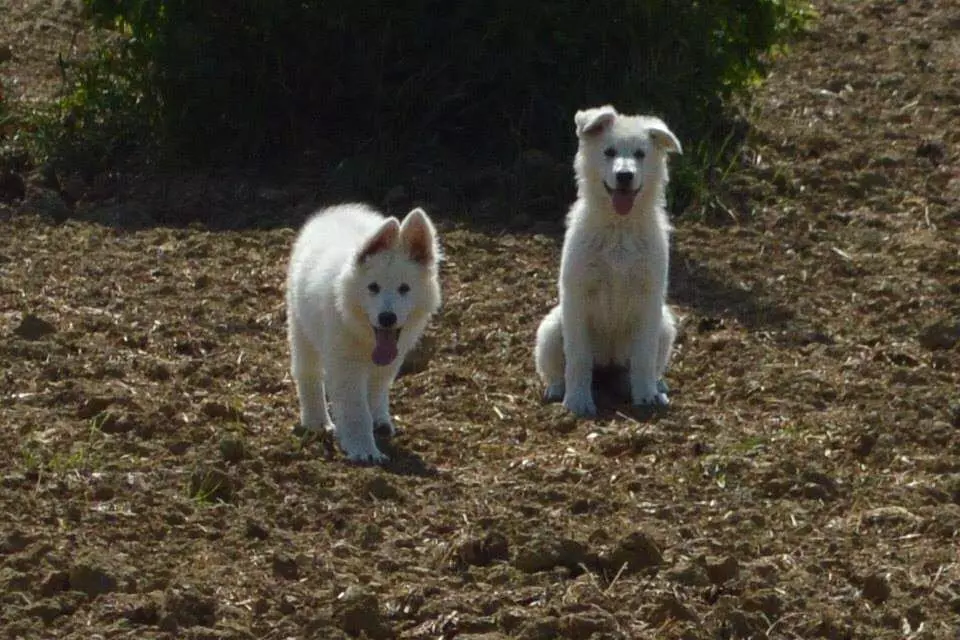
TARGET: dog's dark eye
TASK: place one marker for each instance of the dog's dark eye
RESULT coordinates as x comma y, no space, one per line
610,152
373,288
403,289
639,154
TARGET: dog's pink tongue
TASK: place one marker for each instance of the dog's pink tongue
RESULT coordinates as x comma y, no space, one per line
622,201
385,351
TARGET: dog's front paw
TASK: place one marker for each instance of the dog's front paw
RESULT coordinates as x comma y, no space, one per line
580,404
365,455
651,396
657,401
554,393
653,401
360,447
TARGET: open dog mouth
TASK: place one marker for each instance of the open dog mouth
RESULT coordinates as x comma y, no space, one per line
622,199
385,350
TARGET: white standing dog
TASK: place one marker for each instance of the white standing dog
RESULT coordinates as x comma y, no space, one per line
360,291
613,269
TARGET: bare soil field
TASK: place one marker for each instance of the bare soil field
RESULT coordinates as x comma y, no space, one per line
804,483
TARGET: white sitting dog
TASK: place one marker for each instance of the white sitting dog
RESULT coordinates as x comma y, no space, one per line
613,270
360,291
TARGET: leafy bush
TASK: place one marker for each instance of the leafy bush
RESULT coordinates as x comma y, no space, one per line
476,78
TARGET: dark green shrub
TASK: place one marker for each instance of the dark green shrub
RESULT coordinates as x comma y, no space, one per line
478,79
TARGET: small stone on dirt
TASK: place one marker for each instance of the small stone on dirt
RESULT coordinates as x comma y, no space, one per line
32,327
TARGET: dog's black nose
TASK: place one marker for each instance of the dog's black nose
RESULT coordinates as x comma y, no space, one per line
624,178
387,319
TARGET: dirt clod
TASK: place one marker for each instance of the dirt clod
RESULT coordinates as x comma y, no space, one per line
54,582
876,588
543,553
635,552
187,607
723,570
357,611
33,327
585,625
381,488
285,566
943,334
257,530
91,579
691,574
485,550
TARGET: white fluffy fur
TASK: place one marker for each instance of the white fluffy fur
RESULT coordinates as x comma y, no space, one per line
613,269
333,308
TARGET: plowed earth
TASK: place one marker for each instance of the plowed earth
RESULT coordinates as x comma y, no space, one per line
804,483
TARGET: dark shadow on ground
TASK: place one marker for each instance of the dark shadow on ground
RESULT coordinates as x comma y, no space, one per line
696,286
529,195
402,462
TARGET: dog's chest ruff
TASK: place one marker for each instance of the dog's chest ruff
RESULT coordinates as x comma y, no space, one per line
619,261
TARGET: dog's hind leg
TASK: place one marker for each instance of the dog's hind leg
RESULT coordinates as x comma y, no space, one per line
548,355
306,368
668,334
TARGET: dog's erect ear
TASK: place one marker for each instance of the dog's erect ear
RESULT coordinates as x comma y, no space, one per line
664,138
593,121
385,238
419,238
